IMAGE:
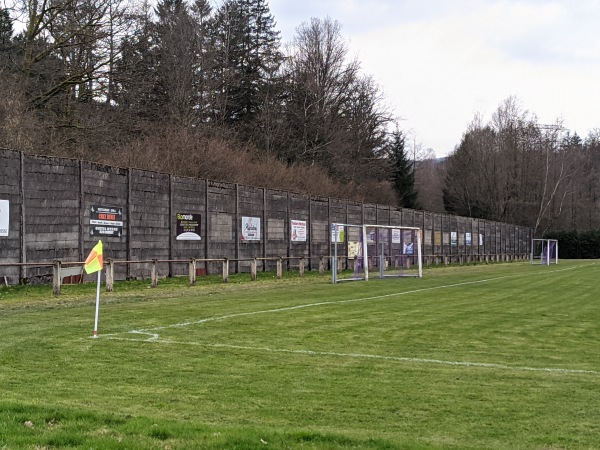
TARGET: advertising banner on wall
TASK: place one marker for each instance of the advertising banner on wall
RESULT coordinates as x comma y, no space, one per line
453,238
408,246
4,217
250,228
337,233
481,240
371,236
354,249
188,227
396,236
298,230
468,239
106,221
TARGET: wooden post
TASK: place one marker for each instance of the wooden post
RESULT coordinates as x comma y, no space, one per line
322,265
279,268
301,267
253,270
225,270
154,274
192,271
56,278
110,275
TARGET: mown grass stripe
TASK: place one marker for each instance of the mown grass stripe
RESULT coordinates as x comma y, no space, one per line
366,356
332,302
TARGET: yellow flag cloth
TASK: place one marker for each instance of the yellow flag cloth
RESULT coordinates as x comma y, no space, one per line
94,261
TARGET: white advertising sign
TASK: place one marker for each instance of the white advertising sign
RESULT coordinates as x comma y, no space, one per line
453,238
298,230
337,233
4,217
250,228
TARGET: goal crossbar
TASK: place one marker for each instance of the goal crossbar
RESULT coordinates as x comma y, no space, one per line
400,243
544,251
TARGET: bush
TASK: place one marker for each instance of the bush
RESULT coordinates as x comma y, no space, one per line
577,244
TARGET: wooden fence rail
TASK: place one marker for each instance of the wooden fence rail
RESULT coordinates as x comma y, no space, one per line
74,270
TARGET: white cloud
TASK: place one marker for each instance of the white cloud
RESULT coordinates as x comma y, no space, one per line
441,61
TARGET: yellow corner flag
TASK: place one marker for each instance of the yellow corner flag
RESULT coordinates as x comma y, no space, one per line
94,261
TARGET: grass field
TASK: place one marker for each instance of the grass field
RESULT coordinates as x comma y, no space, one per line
502,356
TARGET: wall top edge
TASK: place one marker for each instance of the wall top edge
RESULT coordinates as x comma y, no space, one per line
215,183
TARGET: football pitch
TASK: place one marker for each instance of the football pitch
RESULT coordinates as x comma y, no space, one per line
500,356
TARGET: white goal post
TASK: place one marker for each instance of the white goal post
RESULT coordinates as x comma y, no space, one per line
392,250
544,251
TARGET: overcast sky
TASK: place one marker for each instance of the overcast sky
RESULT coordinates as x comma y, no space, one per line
441,61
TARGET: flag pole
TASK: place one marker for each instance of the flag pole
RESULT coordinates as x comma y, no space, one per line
97,305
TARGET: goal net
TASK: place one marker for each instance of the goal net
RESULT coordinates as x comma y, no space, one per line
544,251
361,251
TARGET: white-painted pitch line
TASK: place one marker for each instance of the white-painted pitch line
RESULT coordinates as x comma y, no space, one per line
155,337
317,304
290,308
400,359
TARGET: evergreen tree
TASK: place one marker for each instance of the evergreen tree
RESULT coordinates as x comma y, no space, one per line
246,58
176,53
403,176
6,28
136,74
6,42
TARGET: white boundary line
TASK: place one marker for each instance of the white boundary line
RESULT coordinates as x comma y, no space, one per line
333,302
400,359
155,337
292,308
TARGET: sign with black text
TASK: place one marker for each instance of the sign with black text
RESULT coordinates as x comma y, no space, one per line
106,221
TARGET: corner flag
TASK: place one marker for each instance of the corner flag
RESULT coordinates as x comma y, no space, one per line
94,261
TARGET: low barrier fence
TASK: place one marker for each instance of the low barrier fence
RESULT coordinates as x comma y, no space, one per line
72,272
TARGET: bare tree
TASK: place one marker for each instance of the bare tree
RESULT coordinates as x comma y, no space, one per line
320,81
430,173
512,169
65,45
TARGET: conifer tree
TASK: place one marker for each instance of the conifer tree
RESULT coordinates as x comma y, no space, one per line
403,176
247,55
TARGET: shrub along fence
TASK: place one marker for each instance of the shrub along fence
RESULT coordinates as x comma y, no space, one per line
56,209
577,244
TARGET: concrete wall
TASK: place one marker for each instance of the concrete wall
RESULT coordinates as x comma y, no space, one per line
52,201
